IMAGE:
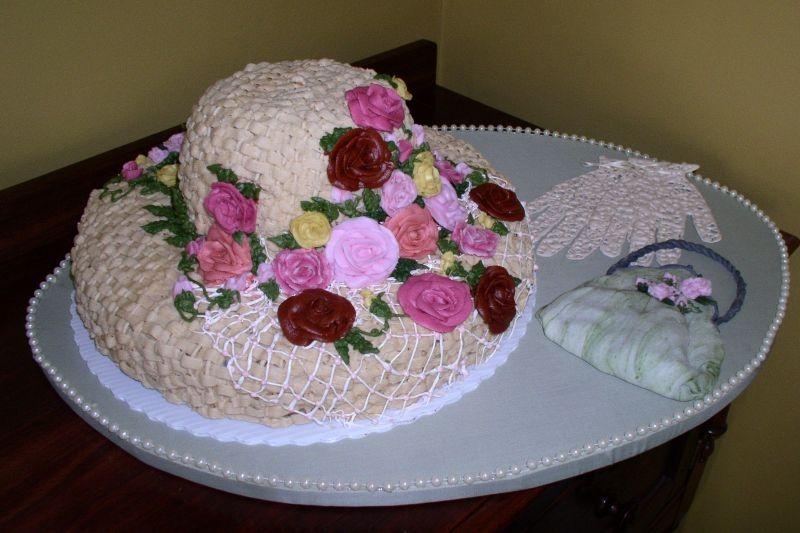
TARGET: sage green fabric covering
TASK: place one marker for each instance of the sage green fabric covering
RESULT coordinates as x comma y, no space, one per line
628,334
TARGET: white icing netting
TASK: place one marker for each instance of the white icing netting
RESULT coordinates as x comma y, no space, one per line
640,201
314,383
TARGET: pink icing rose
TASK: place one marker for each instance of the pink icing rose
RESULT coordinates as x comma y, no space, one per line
444,207
398,192
376,107
661,291
436,302
474,240
157,155
131,171
182,284
232,211
220,257
693,288
361,252
415,230
298,270
173,144
453,174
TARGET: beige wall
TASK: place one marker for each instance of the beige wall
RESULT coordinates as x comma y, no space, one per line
709,82
715,83
79,78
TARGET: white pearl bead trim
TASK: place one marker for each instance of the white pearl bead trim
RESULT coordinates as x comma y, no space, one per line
522,467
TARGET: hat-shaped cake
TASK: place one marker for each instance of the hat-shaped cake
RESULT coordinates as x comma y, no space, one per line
304,252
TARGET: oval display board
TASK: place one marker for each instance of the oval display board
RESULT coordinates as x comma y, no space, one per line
543,416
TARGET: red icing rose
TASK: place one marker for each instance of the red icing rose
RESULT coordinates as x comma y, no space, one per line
494,298
221,257
499,202
359,159
232,211
315,315
415,230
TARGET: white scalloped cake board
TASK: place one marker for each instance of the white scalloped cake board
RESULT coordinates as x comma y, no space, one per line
181,417
544,416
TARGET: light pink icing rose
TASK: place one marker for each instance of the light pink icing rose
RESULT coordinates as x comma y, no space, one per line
693,288
131,171
264,273
474,240
232,211
361,252
415,230
194,246
444,207
417,135
398,192
182,284
173,144
221,257
436,302
375,106
157,154
238,283
297,270
661,291
339,196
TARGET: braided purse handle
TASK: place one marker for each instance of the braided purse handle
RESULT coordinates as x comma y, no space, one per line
741,286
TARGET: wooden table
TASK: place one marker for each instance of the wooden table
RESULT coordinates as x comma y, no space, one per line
58,473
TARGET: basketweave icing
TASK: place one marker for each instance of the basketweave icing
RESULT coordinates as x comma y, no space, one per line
265,124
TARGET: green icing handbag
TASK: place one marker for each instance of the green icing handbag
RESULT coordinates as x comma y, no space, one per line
671,347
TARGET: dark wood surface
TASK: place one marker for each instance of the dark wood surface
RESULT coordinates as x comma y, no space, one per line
57,473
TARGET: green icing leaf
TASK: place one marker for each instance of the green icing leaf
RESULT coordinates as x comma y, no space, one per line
249,190
329,140
499,228
475,274
402,271
257,253
321,205
477,177
270,289
223,174
185,304
285,241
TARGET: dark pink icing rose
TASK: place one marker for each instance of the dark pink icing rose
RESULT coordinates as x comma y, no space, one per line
131,171
415,230
298,270
221,257
436,302
232,211
376,107
473,240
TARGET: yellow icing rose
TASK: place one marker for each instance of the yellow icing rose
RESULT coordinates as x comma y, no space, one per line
485,221
426,175
142,161
367,295
168,175
401,88
311,229
448,260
